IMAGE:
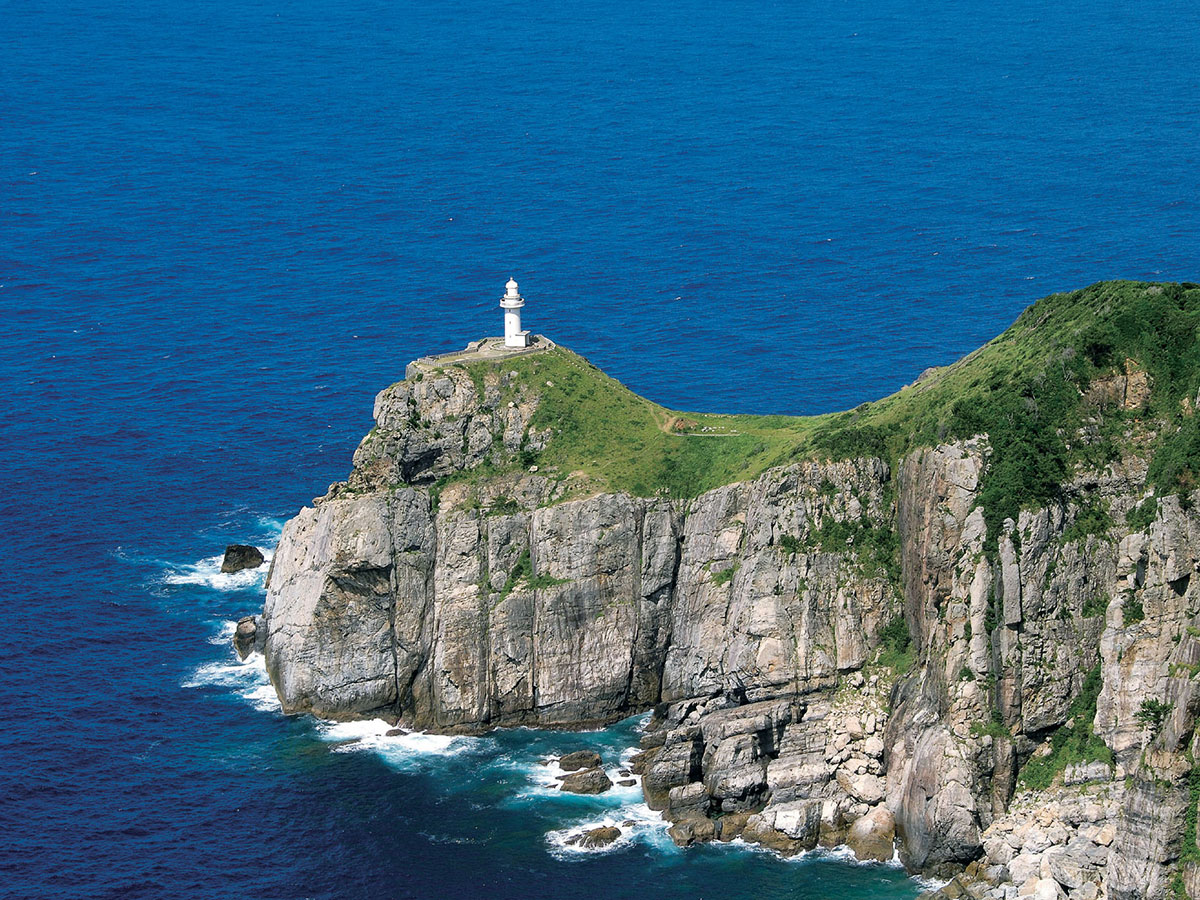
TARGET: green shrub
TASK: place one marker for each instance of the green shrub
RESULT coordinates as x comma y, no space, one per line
1092,518
994,728
854,442
1074,744
504,506
895,645
1095,605
1152,714
1175,468
1029,458
1132,608
725,575
1189,853
1143,515
522,569
877,548
789,544
542,582
991,615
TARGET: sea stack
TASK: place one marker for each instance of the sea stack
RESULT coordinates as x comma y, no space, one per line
241,556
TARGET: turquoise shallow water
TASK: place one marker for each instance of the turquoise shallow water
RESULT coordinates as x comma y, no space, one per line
227,225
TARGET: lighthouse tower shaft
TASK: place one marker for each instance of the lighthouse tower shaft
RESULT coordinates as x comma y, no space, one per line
511,303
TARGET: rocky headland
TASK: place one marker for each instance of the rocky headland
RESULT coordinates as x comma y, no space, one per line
960,623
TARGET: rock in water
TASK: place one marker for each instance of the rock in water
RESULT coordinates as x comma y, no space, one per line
241,556
580,759
246,637
587,781
595,837
695,829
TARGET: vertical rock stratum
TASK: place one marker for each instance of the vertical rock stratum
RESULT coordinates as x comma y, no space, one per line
962,621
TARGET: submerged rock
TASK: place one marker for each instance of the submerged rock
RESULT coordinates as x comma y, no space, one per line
595,838
241,556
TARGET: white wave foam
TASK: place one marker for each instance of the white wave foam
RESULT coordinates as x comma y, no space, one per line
224,634
638,824
406,751
841,853
621,806
207,573
270,525
446,838
544,776
844,853
263,698
247,678
926,883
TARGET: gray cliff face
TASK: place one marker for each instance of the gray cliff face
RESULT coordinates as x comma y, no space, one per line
935,786
750,618
438,422
379,606
1058,605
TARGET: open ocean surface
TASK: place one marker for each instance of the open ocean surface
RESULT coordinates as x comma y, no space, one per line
225,226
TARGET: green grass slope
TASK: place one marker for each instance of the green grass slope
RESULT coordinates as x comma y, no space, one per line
1028,390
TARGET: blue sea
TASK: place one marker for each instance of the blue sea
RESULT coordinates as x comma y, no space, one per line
225,226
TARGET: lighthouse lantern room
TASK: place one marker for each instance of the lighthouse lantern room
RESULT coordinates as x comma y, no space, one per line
511,303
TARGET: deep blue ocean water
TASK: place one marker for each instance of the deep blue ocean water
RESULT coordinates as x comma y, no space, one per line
225,226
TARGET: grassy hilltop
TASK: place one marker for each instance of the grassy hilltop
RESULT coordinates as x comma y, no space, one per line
1031,390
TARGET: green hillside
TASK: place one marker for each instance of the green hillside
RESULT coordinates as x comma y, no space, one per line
1030,389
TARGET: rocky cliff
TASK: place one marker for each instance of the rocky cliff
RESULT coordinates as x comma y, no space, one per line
870,632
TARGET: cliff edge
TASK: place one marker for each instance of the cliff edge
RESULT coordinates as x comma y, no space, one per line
963,615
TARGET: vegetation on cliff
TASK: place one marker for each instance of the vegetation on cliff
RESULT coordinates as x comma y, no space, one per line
625,443
1051,392
1075,742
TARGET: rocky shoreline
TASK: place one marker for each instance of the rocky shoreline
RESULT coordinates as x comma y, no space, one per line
790,774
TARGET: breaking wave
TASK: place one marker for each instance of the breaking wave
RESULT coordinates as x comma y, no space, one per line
207,573
246,679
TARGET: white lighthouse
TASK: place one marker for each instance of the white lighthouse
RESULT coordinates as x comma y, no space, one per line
511,303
